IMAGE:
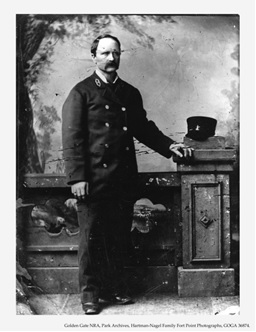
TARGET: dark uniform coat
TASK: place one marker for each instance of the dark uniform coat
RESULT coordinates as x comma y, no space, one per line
99,124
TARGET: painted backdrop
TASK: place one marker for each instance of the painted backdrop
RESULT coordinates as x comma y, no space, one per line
182,65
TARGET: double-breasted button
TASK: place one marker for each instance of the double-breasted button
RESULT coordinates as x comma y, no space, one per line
125,128
123,109
106,124
106,145
107,107
105,165
127,148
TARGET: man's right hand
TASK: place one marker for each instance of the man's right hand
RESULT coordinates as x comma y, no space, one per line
80,189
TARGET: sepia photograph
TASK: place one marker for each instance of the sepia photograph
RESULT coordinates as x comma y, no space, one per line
128,162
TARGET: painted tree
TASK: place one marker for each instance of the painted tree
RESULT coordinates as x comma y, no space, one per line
32,55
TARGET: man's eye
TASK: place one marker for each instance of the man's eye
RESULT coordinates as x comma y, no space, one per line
107,53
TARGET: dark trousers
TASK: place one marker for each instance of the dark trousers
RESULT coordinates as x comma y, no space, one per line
105,228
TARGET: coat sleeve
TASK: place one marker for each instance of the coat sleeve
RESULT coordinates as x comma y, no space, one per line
146,131
74,135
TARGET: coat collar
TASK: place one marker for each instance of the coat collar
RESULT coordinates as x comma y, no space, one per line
103,78
108,93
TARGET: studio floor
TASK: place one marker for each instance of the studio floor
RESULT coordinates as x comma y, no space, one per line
146,304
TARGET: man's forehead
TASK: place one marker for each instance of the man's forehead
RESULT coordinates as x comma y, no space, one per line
108,43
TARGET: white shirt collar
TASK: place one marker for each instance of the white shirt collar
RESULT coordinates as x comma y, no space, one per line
104,78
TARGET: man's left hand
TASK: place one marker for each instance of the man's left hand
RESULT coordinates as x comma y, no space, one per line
181,150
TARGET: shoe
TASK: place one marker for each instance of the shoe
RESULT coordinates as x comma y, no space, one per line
116,298
122,299
91,308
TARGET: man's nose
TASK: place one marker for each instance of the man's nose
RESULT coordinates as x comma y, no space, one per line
111,56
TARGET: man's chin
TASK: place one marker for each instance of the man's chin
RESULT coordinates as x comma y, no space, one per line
109,70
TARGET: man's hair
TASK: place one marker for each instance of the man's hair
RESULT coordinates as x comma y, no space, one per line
95,43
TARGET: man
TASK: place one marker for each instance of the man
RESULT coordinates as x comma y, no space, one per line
101,116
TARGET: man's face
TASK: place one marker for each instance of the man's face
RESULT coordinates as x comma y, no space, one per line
107,56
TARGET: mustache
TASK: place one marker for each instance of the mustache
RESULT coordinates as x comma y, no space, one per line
111,63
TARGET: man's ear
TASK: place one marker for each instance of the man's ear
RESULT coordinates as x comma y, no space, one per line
93,57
